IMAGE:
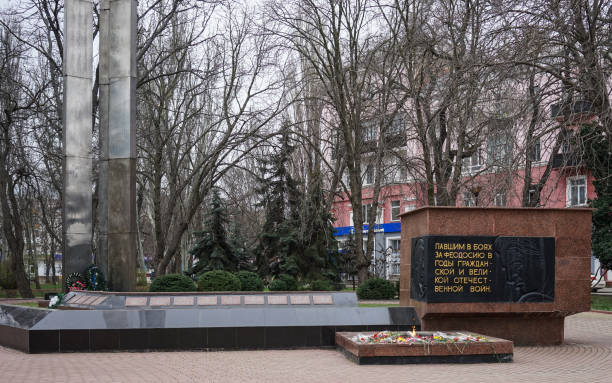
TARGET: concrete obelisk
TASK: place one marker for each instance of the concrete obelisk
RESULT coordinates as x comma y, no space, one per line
77,212
117,181
117,168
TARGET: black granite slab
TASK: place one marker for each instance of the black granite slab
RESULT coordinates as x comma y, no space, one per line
455,269
40,330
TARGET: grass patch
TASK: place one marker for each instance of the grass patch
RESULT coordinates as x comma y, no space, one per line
601,302
47,286
27,304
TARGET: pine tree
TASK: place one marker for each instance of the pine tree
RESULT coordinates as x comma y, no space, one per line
213,250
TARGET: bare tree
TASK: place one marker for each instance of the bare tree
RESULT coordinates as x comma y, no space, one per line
15,102
200,113
353,67
570,42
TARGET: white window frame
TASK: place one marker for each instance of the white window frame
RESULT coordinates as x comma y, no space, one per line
400,173
369,132
368,175
346,179
499,147
536,149
399,210
408,208
499,195
568,191
395,127
468,199
390,258
473,163
379,213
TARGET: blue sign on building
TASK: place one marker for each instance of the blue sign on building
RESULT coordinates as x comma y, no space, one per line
392,227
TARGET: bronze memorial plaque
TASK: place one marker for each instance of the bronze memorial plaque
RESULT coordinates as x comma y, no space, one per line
482,269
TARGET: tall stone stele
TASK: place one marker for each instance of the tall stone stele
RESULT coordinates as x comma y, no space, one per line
117,187
77,213
117,169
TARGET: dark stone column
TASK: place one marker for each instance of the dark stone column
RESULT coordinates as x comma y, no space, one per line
117,189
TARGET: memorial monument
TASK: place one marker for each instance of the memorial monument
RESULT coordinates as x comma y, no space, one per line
504,272
116,251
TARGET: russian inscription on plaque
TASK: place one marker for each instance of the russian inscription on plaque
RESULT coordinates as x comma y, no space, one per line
482,269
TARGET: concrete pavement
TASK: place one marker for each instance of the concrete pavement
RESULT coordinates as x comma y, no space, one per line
586,356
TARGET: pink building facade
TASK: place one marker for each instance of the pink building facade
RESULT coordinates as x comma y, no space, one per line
570,184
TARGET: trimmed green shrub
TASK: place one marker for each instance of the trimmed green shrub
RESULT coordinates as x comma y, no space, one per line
250,281
172,283
283,282
289,281
218,280
321,285
277,285
7,279
376,288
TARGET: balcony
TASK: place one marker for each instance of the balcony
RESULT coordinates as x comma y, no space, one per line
564,160
395,140
566,109
391,141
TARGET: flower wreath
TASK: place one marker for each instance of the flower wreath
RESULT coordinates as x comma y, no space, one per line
75,282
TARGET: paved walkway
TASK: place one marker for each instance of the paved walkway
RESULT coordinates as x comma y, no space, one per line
586,356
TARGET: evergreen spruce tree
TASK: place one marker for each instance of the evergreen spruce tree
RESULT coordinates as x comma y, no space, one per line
297,236
319,259
213,250
241,249
277,251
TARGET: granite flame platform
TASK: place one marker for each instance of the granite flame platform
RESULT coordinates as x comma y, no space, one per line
115,322
490,350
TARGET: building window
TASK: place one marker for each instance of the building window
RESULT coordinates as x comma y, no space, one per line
576,191
566,147
532,197
499,147
395,210
347,179
500,198
369,175
534,152
393,256
468,199
396,172
409,208
396,126
366,214
472,163
368,132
